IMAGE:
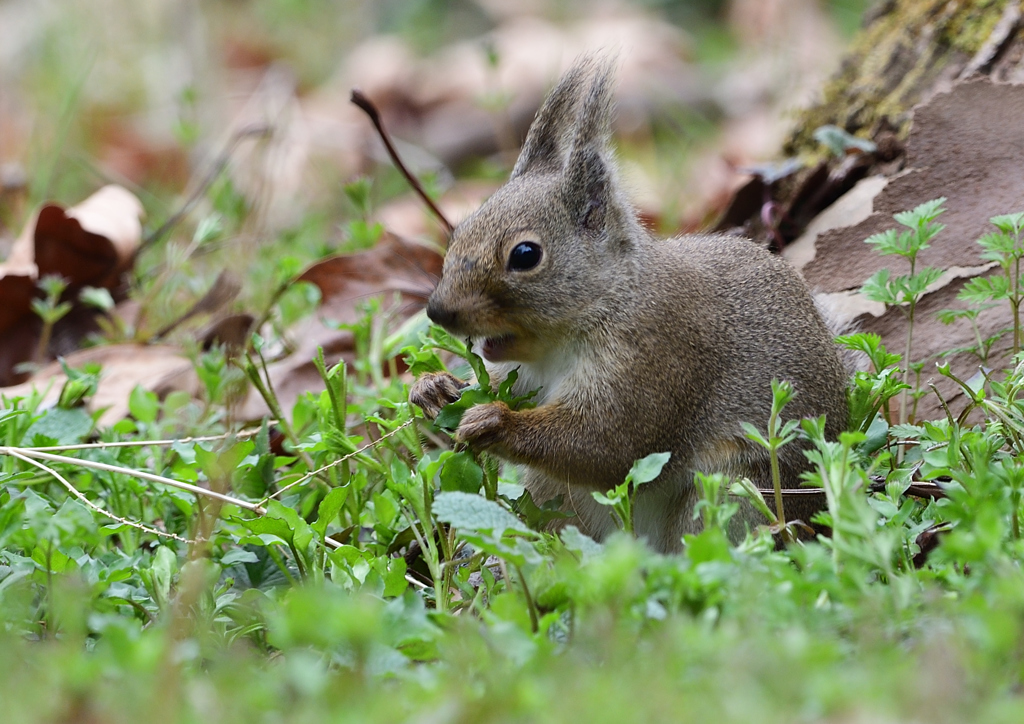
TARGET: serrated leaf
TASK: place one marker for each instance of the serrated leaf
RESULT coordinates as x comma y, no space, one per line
1009,223
983,289
473,512
878,288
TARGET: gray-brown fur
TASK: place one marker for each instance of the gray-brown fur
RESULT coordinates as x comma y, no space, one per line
639,345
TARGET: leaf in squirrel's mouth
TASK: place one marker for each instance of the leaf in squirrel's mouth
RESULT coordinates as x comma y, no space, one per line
496,349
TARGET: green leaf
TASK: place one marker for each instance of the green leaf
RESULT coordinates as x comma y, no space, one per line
1009,223
96,297
66,427
473,512
220,465
648,468
238,555
460,472
984,289
422,361
752,433
576,541
143,405
878,288
451,415
327,511
922,214
505,388
479,370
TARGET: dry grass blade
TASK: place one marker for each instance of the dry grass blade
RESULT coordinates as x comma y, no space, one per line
22,453
88,503
337,462
146,443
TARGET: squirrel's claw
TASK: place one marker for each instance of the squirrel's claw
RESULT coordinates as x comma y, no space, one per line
433,391
484,425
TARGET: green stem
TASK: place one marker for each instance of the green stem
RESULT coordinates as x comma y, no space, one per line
530,605
1015,303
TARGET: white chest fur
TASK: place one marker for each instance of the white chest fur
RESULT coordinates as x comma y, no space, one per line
551,376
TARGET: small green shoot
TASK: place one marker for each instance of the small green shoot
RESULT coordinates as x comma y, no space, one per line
622,497
49,309
905,291
779,434
1006,249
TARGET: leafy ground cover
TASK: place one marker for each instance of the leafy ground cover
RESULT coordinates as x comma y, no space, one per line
346,563
357,571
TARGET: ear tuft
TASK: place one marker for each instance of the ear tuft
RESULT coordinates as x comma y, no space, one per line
550,134
588,174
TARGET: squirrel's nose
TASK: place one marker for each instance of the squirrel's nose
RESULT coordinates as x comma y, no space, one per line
441,315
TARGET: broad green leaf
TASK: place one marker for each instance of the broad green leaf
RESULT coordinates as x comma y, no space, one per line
328,510
460,472
66,427
143,404
238,555
473,512
648,468
451,415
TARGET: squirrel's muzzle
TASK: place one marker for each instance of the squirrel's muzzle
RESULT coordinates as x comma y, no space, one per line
439,314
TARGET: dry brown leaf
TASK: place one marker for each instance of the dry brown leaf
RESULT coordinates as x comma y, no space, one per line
90,244
966,146
394,266
156,368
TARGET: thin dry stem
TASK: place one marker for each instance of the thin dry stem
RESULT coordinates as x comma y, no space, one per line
195,489
339,461
147,443
85,501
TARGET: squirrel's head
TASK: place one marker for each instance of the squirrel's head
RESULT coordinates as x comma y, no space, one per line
527,270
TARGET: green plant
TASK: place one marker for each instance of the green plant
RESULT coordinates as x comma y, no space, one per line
905,291
1005,248
620,499
49,309
779,434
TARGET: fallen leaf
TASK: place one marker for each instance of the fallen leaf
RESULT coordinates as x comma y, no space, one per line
156,368
394,266
90,244
964,145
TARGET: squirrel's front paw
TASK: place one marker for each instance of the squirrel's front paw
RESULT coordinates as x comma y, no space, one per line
435,390
484,425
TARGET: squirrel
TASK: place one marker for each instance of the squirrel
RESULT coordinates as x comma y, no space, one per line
637,344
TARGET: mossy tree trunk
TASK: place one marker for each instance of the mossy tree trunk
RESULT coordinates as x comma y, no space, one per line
906,51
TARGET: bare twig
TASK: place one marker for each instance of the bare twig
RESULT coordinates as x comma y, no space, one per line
366,105
22,453
75,492
221,161
337,462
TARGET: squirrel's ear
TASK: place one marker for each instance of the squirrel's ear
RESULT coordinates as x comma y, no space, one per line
588,175
548,136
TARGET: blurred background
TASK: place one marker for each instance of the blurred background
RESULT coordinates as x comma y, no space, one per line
148,95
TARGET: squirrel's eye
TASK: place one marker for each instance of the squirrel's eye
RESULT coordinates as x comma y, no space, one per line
525,256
